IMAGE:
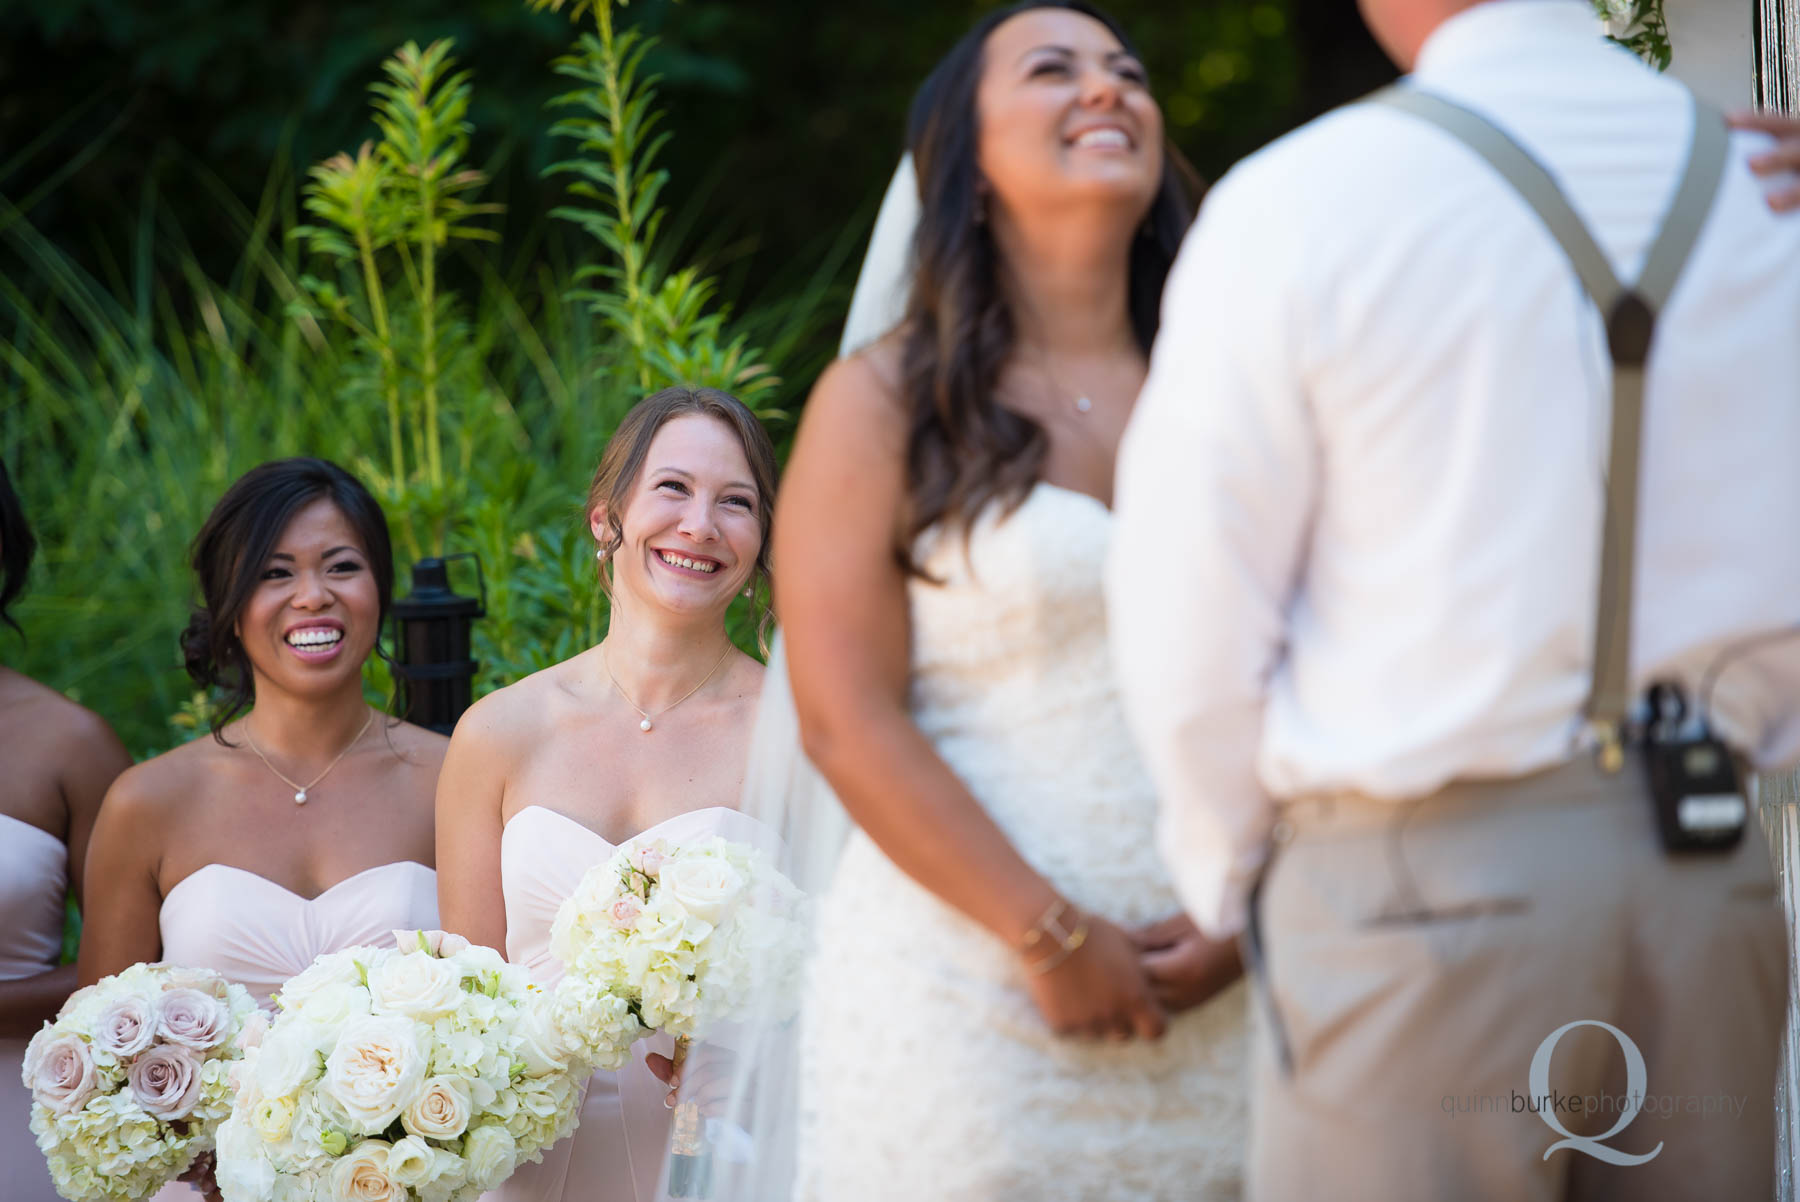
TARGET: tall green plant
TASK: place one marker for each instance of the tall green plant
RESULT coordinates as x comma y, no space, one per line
386,213
665,315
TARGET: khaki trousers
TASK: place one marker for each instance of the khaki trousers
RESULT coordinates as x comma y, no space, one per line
1412,959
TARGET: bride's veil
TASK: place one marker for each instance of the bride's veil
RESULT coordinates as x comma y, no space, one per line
884,286
786,793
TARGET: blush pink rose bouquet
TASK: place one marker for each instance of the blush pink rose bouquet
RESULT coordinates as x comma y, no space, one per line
131,1081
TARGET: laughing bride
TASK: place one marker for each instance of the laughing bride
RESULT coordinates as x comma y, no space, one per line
1006,1001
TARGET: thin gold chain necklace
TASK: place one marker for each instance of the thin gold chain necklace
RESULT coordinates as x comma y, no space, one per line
1081,404
300,789
647,725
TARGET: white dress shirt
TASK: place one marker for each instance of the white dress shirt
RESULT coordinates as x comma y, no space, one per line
1359,503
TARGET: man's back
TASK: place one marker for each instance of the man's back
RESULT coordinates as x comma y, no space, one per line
1353,597
1455,379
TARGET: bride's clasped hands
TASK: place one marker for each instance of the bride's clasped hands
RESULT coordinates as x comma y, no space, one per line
1087,978
1123,983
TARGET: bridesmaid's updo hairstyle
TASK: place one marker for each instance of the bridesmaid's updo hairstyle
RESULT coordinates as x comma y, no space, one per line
17,546
964,448
235,543
623,461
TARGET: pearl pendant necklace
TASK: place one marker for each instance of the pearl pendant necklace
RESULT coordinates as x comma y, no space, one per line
298,788
646,725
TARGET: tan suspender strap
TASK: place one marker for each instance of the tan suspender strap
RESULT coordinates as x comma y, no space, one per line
1630,315
1688,211
1527,177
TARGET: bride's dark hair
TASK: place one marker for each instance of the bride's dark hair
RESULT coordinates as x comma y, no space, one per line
965,449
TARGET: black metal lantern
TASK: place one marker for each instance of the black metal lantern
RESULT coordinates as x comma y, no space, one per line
434,669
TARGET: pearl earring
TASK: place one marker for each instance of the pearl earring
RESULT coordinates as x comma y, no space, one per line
750,592
602,553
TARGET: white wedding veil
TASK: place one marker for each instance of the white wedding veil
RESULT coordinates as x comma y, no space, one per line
755,1135
885,283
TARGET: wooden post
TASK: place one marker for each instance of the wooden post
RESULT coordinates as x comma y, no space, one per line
1777,79
1778,55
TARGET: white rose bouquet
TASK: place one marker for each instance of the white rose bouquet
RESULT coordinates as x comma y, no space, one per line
667,938
132,1080
676,939
426,1072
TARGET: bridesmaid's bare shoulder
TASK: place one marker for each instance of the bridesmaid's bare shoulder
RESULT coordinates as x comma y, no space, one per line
176,779
417,746
38,720
511,720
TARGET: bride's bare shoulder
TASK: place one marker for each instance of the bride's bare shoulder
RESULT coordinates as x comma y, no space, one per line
863,391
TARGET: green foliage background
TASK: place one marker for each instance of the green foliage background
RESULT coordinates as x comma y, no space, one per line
191,280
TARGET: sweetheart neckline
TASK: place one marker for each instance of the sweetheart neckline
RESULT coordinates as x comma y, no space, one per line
279,887
586,829
1075,492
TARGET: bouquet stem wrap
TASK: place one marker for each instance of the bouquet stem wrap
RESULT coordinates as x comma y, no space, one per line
690,1158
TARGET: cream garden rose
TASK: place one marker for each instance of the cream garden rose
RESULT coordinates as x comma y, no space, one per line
490,1151
322,973
417,985
412,1162
542,1046
333,1002
362,1175
373,1070
705,887
288,1057
441,1111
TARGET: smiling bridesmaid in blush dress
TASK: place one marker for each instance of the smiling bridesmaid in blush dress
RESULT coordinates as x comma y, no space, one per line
645,733
304,824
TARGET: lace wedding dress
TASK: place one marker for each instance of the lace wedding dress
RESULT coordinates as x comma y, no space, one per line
926,1072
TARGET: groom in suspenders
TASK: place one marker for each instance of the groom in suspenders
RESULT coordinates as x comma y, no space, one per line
1455,568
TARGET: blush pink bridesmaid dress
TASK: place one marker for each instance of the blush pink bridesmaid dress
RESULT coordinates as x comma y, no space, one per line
259,934
617,1153
34,878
